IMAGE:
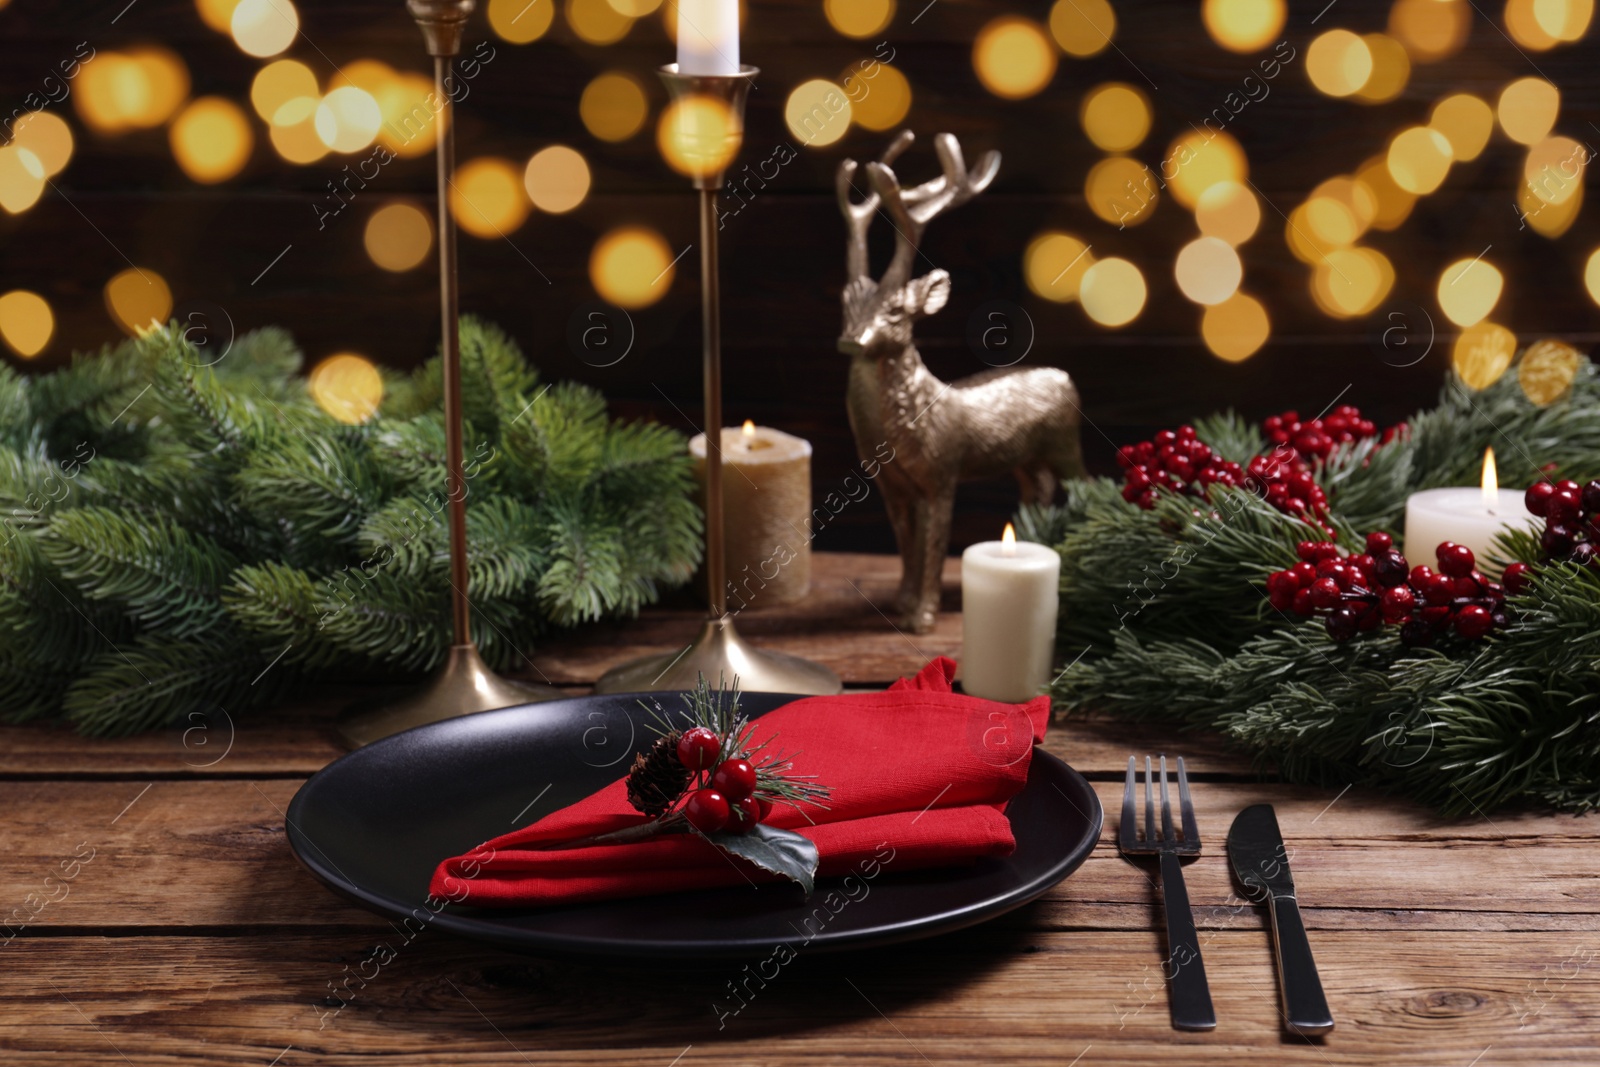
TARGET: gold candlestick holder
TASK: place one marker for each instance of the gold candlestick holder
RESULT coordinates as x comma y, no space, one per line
708,110
464,684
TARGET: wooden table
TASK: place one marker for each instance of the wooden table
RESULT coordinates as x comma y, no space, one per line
186,933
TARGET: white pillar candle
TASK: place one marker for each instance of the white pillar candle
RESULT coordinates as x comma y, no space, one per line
766,513
1009,593
708,37
1471,517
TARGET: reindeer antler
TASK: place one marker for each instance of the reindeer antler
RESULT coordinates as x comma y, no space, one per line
912,209
858,215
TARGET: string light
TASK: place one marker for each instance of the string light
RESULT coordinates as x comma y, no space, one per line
22,178
347,386
138,299
1235,329
1468,290
399,236
47,136
1466,123
1112,292
817,112
487,197
211,140
556,179
1082,28
1054,264
1115,116
1338,63
264,28
613,107
885,100
1013,58
521,21
1208,270
858,18
1527,109
26,322
631,267
1228,210
1244,25
1482,353
1121,190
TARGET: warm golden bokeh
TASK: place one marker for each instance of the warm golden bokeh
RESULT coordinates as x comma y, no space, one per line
217,14
613,106
1112,292
1235,329
137,299
1466,122
1083,27
631,267
1468,290
1554,169
297,141
1419,159
280,82
22,179
211,139
348,119
399,236
264,28
135,90
858,18
1228,210
1547,370
1208,270
1591,275
1524,28
1528,109
1394,203
26,322
47,136
1244,25
1115,116
1054,264
1013,57
1198,160
596,21
817,112
1565,20
1338,63
347,386
411,123
556,179
1351,282
879,102
1121,190
1482,353
487,197
521,21
1391,69
1545,218
1431,30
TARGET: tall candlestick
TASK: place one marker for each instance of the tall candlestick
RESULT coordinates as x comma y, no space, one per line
708,37
1009,594
1467,516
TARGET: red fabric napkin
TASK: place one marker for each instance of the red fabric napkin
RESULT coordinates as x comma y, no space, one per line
919,777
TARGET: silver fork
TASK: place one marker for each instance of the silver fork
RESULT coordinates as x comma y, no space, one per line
1189,993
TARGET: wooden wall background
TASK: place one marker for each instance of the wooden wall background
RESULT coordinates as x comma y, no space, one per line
125,197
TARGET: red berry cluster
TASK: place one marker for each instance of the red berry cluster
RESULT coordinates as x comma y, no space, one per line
1176,461
1363,591
726,800
1314,438
1285,481
1572,519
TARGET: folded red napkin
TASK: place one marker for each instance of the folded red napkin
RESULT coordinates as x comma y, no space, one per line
919,776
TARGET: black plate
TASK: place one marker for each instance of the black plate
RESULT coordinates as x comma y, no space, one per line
374,824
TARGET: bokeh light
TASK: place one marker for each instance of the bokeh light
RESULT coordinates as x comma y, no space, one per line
698,135
1523,26
1468,290
1235,329
521,21
140,89
1431,30
137,299
1352,282
1547,370
1527,109
1082,27
879,102
1198,160
1338,63
399,236
1244,25
211,139
347,120
1466,123
1391,69
47,136
1054,264
631,267
1554,169
1112,292
487,197
1115,116
21,179
279,83
596,21
1482,353
613,106
297,141
26,322
1394,203
1545,218
217,14
858,18
817,112
1419,159
346,386
1121,190
637,9
410,123
1591,275
1228,210
1565,20
1013,57
264,28
556,179
1208,270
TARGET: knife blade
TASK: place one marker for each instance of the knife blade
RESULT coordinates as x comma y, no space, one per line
1261,863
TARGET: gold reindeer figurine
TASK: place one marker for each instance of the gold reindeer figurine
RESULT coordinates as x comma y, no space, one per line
1024,420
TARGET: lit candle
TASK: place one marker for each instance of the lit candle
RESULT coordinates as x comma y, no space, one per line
1009,593
1471,517
708,37
766,513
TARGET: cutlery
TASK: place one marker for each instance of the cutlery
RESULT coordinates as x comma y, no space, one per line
1255,848
1189,992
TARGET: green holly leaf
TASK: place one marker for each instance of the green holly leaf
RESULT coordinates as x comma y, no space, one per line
779,851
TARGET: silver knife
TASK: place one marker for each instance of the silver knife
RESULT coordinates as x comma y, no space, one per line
1255,848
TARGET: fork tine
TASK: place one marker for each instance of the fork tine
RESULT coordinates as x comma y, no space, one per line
1128,828
1166,805
1191,831
1149,807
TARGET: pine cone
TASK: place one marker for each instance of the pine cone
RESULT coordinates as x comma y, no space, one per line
658,777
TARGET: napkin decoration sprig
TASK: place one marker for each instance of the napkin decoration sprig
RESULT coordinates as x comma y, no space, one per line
714,779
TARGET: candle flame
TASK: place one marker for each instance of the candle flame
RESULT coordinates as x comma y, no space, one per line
749,433
1491,483
1008,541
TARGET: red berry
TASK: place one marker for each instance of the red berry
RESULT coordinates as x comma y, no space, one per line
707,810
1324,593
1537,498
698,748
1591,497
1397,603
1567,485
1302,604
1456,560
1565,506
1439,589
746,813
1473,621
1516,578
1282,582
735,779
1304,573
1378,543
1419,576
1306,550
